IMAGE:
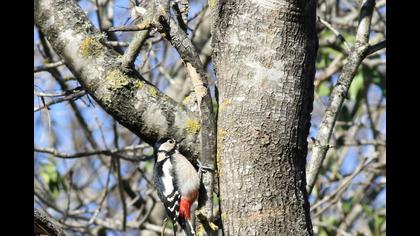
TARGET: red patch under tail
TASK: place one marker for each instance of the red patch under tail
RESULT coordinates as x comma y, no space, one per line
184,208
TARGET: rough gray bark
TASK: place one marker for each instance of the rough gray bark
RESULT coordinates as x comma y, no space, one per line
134,103
45,225
264,55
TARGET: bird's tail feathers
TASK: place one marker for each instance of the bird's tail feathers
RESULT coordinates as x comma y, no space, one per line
187,226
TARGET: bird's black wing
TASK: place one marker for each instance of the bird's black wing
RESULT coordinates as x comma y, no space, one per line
167,190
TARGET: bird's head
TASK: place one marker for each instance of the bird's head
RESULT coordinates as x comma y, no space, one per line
167,145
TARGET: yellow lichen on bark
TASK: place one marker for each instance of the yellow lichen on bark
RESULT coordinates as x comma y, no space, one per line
193,126
90,47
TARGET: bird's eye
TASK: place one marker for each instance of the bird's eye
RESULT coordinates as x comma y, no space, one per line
171,141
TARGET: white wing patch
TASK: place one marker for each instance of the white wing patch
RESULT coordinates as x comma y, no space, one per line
167,179
172,209
171,199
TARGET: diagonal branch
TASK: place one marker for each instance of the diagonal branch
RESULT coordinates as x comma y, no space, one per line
358,52
48,66
179,39
75,95
134,103
45,225
139,38
336,32
130,28
376,47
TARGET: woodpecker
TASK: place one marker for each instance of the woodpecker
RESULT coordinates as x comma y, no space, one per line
177,183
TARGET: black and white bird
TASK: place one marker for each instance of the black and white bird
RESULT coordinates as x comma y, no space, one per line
177,183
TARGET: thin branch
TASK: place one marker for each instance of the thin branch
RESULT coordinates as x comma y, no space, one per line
358,53
130,27
101,202
336,32
98,14
180,16
72,96
200,13
155,228
330,226
149,211
134,48
162,233
364,142
91,153
69,194
184,9
119,178
365,20
48,66
117,43
334,196
374,48
60,94
335,66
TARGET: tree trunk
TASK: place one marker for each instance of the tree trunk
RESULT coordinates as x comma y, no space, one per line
264,55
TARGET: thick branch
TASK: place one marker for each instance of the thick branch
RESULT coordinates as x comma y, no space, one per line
134,103
198,76
45,225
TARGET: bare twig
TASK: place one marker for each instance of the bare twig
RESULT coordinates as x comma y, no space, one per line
358,53
336,32
101,202
69,194
60,94
119,178
364,142
164,227
48,66
180,16
134,48
130,28
149,211
377,47
97,152
333,68
329,226
117,43
184,9
72,96
343,186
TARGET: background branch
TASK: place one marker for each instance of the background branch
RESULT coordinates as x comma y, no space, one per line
358,52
